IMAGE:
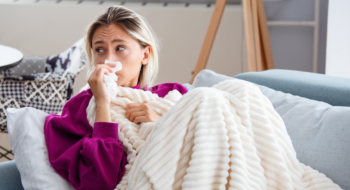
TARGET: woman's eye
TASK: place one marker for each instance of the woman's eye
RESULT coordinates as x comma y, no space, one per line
120,48
99,50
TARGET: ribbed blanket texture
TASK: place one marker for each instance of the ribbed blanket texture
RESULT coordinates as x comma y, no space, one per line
225,137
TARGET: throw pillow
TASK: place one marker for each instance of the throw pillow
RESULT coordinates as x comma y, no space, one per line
69,62
27,140
61,62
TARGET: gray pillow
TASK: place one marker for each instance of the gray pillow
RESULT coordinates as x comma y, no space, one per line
320,133
208,78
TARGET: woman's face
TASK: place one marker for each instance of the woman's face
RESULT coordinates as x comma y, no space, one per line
115,44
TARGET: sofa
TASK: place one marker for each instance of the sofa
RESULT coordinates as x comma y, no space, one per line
314,107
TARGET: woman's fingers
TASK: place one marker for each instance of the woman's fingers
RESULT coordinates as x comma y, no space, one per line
103,66
97,87
140,119
104,69
96,74
101,72
135,114
131,107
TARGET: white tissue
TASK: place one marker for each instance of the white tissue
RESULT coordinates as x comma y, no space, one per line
110,80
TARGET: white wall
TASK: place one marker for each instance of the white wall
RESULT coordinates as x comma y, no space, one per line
338,39
47,28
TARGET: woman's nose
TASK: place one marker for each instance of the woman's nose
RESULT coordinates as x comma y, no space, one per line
111,57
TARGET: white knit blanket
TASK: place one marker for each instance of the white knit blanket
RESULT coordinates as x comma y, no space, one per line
225,137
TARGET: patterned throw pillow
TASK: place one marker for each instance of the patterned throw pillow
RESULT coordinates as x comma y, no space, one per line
59,63
43,91
71,62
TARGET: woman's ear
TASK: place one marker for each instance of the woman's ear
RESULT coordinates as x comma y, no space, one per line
146,55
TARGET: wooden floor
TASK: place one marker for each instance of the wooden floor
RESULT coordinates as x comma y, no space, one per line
5,142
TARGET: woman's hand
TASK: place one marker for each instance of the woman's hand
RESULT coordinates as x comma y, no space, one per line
137,113
97,85
99,90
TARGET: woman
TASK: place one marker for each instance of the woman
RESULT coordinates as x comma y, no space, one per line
92,158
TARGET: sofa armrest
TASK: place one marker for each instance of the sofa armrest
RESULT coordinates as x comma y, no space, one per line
10,178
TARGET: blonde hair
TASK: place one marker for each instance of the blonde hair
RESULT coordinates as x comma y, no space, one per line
138,28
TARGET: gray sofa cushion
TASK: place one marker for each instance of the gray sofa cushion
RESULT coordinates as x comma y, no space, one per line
10,178
330,89
319,132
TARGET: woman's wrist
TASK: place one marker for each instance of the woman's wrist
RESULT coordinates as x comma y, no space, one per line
102,101
103,112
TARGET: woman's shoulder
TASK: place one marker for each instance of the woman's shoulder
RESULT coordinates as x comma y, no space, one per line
78,103
164,88
84,94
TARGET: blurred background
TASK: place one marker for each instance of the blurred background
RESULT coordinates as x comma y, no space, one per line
48,27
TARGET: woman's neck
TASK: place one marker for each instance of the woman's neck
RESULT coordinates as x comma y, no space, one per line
130,84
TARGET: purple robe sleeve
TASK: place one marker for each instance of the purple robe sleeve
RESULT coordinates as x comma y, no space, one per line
87,158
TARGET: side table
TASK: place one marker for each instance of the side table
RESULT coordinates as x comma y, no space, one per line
9,57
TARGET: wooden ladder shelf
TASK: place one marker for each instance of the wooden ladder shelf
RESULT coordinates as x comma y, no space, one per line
259,53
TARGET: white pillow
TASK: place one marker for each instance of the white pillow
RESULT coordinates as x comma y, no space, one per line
27,140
